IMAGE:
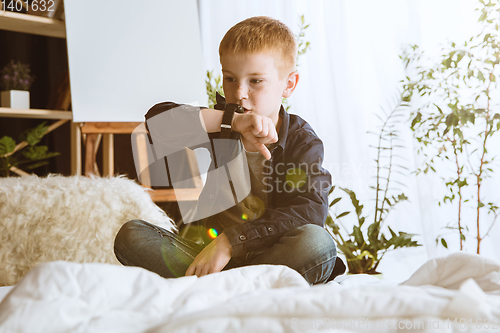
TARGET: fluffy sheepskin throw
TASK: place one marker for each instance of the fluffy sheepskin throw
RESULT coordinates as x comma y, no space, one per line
66,218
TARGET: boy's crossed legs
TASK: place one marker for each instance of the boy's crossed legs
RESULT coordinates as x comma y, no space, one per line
308,249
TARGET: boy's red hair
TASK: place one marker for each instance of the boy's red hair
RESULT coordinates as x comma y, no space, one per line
262,34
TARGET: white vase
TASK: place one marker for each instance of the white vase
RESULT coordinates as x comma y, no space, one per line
15,99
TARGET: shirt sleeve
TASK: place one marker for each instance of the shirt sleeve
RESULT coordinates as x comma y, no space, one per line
305,204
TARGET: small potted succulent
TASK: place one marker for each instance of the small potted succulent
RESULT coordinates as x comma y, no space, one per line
15,81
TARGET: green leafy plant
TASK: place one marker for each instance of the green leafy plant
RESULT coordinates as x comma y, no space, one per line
302,44
16,76
366,245
455,115
214,83
27,154
214,86
302,47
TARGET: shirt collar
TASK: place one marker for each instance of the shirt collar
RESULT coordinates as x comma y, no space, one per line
277,148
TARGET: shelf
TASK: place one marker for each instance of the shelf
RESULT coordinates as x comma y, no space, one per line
35,114
32,24
169,195
112,127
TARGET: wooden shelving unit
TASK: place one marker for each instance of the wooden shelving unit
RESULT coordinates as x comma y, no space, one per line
31,24
43,26
35,114
37,25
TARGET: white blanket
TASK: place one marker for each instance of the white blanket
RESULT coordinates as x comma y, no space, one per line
461,290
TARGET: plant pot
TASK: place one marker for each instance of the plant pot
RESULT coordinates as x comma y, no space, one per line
15,99
379,276
363,264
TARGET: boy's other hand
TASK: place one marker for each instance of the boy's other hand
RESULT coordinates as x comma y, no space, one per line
256,129
212,259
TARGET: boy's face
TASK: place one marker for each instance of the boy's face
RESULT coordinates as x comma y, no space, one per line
253,81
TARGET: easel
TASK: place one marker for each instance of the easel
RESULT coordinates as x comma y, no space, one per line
93,132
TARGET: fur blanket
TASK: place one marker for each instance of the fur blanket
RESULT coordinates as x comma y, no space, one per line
66,218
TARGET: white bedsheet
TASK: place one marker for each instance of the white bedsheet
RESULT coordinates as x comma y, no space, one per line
458,290
4,291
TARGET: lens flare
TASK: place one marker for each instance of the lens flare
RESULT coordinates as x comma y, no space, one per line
296,178
212,233
175,258
252,208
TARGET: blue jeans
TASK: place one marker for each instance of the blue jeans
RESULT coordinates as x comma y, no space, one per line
308,249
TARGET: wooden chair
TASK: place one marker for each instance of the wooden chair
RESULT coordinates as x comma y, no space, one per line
92,133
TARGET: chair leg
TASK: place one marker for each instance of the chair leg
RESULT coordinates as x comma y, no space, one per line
108,165
91,145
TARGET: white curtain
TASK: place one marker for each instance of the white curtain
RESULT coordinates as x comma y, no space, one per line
350,74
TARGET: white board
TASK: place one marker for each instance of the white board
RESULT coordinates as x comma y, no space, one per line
125,56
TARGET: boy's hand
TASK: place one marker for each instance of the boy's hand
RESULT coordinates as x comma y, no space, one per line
256,129
213,258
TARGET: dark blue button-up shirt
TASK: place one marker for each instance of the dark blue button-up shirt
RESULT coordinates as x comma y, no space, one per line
297,182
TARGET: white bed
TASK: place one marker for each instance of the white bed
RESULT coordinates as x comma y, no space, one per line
457,293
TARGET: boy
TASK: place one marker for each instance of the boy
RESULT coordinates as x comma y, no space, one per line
256,147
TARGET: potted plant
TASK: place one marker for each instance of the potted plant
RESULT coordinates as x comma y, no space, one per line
455,116
26,154
365,246
15,82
